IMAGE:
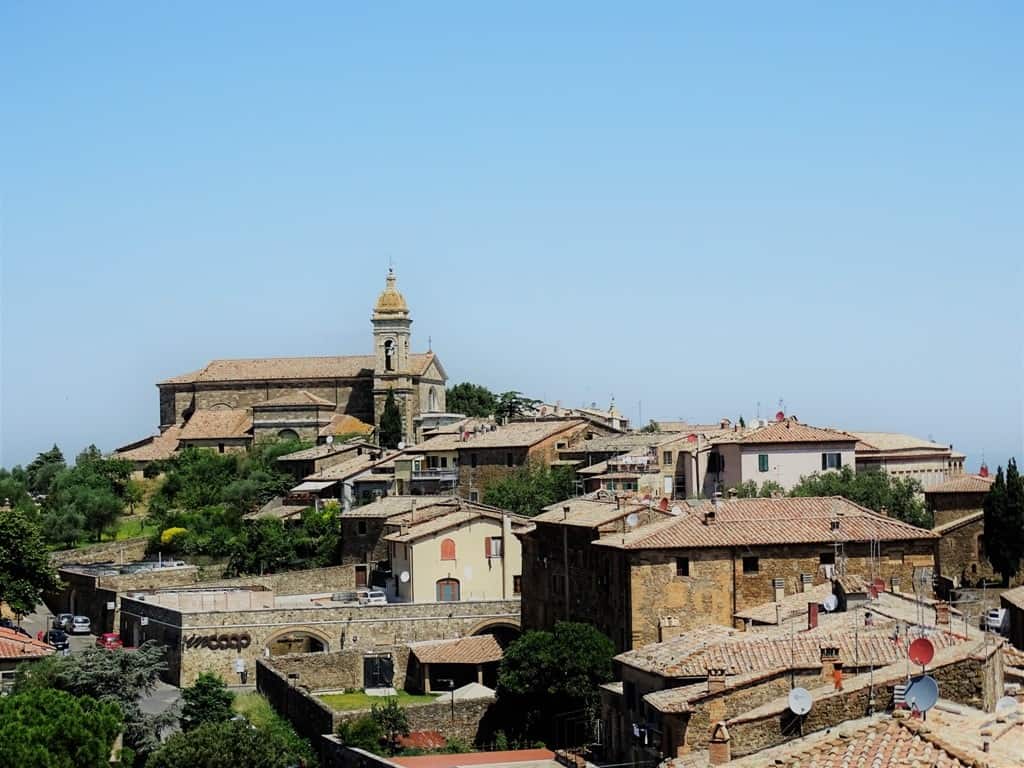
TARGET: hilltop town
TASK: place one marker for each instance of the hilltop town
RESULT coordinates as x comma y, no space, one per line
394,567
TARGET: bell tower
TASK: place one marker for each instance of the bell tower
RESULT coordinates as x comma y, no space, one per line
392,330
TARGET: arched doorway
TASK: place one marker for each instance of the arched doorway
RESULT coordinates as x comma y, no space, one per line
505,632
288,435
297,641
448,591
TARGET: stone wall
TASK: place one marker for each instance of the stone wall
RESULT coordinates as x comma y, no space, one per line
127,551
960,555
340,670
335,578
947,507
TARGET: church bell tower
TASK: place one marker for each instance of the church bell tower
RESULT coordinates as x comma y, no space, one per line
392,330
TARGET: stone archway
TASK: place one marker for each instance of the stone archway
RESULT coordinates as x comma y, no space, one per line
505,631
297,640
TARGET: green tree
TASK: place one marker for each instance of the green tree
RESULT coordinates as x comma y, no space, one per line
25,569
122,677
390,427
264,545
897,497
392,720
530,488
134,493
362,732
650,427
207,700
770,488
513,405
53,729
43,469
745,490
1004,522
471,399
544,674
14,488
231,744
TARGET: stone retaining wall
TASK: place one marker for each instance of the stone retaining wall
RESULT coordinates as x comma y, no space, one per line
127,551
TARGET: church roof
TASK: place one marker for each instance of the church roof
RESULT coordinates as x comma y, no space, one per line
300,398
345,424
390,301
152,448
214,424
292,369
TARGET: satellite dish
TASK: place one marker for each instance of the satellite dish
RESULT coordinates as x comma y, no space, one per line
404,577
677,510
921,651
632,519
830,603
401,445
330,439
922,693
1006,706
799,701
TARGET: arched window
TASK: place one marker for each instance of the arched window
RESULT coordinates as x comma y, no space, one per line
447,549
448,590
432,400
288,434
389,355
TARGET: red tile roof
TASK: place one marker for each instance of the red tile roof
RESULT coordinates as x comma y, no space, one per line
787,431
292,368
214,424
753,522
17,646
479,649
474,758
964,484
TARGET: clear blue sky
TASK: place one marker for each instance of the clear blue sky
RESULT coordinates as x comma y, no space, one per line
696,207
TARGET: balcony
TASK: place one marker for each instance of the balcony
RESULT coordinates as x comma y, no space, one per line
444,475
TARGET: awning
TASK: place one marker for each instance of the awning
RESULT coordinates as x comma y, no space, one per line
313,486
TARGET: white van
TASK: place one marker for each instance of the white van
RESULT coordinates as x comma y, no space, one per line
372,597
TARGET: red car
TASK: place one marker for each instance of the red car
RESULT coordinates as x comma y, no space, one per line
109,640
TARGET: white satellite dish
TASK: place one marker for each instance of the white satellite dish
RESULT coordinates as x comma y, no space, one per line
401,445
800,701
677,510
922,693
404,577
830,603
632,519
1006,706
330,439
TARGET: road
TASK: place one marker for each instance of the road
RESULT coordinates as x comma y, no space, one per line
160,700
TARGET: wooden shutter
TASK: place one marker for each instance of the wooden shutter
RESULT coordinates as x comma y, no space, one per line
487,546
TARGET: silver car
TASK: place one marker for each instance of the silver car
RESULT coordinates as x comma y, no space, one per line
80,625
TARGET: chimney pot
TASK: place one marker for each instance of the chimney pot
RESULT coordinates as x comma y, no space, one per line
719,752
716,679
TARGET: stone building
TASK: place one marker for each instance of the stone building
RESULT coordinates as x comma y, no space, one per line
710,559
908,457
958,517
228,404
957,498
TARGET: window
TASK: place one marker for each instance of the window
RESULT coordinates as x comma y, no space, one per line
472,459
474,495
751,565
716,463
448,591
220,447
492,546
389,355
517,585
831,461
561,445
682,566
447,549
432,400
361,527
666,458
288,434
762,462
827,558
981,546
444,462
508,460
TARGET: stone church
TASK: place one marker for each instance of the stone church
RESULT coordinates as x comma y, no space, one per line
229,404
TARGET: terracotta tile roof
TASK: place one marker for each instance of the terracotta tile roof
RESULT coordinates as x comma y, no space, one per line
519,434
884,442
786,431
479,649
511,757
587,512
324,450
214,424
753,522
343,424
791,605
960,522
626,443
1014,597
352,467
390,506
292,368
16,646
883,742
153,448
964,484
299,398
465,512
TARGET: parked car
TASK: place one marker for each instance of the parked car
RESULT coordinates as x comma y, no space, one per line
58,638
63,621
372,597
995,619
109,640
80,625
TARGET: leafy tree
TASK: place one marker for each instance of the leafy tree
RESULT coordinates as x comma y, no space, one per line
390,427
745,490
231,744
392,720
264,545
530,488
513,404
770,487
898,497
25,569
208,700
650,428
134,493
544,674
1004,522
122,677
14,488
362,732
53,729
43,469
471,399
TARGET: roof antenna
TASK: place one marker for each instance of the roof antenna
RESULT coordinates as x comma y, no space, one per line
430,343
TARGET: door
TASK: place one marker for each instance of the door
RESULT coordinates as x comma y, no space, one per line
448,590
378,671
360,576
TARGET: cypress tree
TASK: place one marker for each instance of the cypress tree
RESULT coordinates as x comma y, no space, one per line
1004,522
390,427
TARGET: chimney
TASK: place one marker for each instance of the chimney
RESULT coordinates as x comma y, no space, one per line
716,679
709,515
724,423
831,665
412,511
812,615
779,585
565,512
733,493
806,580
718,746
895,581
941,613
